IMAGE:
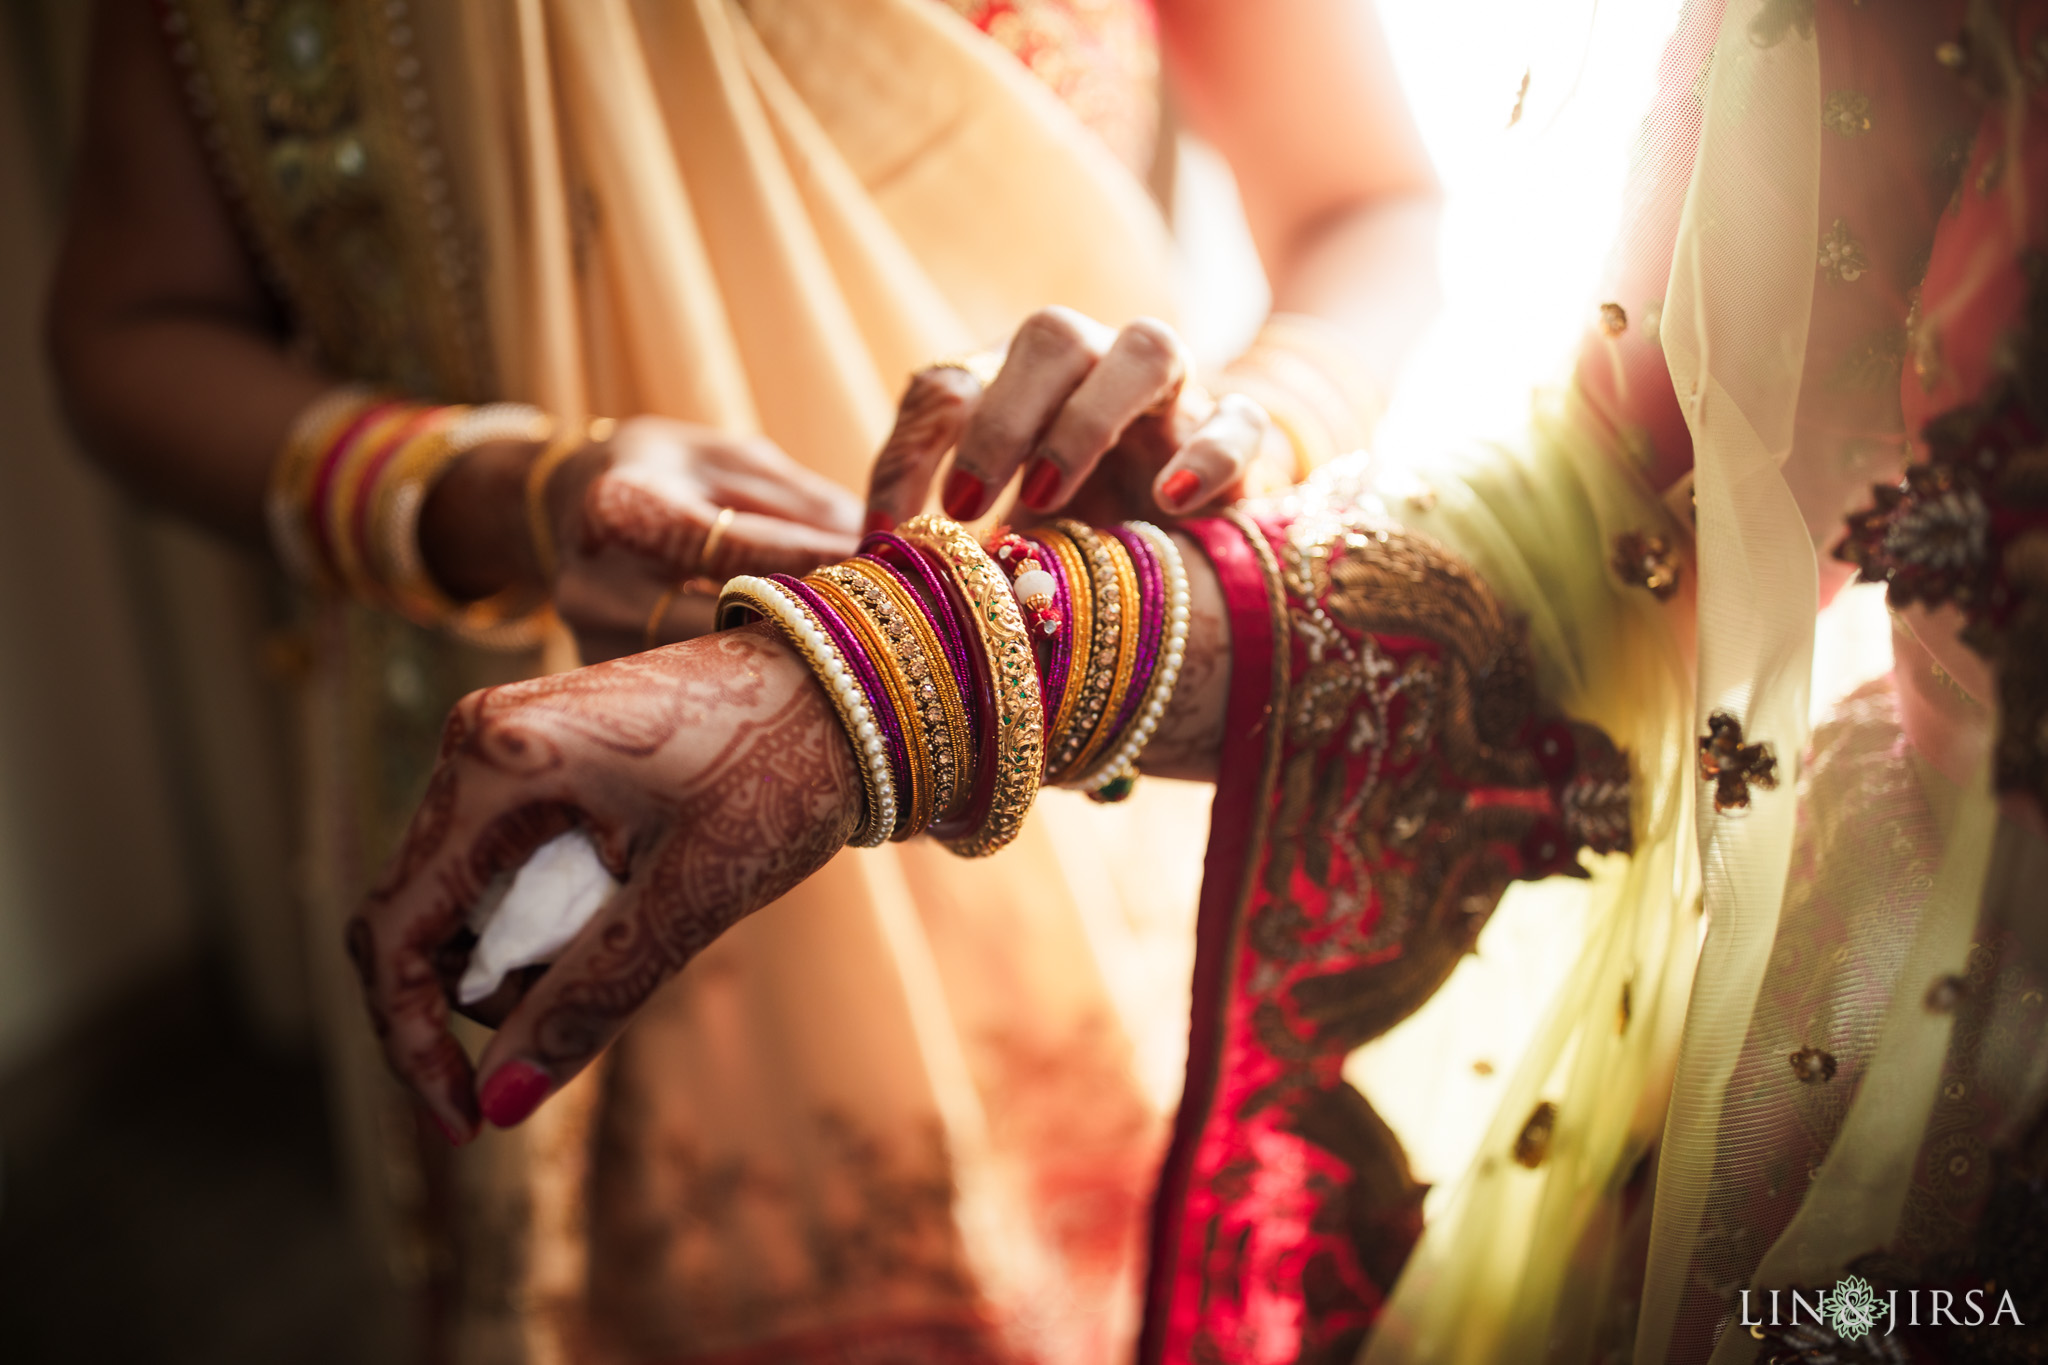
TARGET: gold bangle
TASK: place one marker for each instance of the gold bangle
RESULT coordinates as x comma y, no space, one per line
1122,762
539,528
914,811
287,501
953,754
352,488
1080,625
395,510
807,635
510,620
940,716
1019,719
1328,360
1102,649
720,524
1125,608
342,569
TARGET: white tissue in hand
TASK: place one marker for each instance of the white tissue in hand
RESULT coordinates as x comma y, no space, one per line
551,898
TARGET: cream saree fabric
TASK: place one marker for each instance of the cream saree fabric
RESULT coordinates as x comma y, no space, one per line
900,1107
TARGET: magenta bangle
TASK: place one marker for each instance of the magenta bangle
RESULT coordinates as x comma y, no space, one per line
856,655
1052,676
940,618
928,588
921,566
1151,623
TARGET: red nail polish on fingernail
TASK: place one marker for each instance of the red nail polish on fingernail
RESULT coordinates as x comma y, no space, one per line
1179,487
513,1091
877,521
963,495
1041,483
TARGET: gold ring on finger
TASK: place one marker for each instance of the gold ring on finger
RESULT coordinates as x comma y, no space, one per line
982,365
720,524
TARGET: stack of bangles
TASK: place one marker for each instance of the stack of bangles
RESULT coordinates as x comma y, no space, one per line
346,493
968,676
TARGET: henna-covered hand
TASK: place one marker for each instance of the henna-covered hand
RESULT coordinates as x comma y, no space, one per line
711,776
644,522
635,517
1102,423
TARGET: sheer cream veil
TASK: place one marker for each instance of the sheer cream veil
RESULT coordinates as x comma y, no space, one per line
1812,922
1887,880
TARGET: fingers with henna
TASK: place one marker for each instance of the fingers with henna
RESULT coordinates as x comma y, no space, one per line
577,1007
780,801
461,838
1051,354
639,518
762,545
1211,465
414,977
1141,372
763,478
934,411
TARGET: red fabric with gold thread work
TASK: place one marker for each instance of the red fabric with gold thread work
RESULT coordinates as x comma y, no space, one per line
1388,770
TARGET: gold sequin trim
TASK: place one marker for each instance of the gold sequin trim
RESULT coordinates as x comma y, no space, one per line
1846,112
1841,255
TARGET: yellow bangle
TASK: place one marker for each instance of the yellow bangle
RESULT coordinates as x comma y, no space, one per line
539,529
941,715
1019,719
1080,627
1100,582
914,812
287,502
349,525
510,620
1306,433
1307,375
1126,655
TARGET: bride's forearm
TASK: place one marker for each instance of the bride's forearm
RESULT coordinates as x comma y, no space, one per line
168,354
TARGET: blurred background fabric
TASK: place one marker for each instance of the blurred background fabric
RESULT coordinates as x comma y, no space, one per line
167,1191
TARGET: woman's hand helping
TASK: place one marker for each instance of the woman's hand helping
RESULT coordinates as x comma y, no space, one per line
633,519
648,518
1100,424
711,776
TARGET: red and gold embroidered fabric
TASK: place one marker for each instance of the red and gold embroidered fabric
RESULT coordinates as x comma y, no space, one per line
1395,769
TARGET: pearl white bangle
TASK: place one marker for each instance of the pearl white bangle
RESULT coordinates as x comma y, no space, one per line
1122,761
746,593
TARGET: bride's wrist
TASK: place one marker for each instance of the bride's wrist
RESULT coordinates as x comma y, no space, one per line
473,531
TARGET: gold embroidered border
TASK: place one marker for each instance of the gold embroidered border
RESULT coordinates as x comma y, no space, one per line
317,116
